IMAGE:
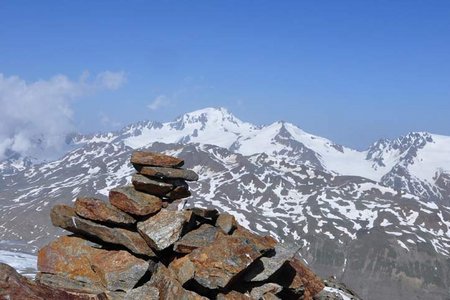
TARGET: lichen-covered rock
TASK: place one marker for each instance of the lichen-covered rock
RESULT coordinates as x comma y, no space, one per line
168,286
145,158
233,295
15,286
216,265
101,211
64,216
144,292
164,229
168,173
74,259
200,237
134,202
267,266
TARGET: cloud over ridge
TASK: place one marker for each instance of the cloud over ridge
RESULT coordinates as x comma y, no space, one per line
35,117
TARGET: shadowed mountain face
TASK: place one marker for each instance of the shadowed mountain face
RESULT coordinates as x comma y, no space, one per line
378,219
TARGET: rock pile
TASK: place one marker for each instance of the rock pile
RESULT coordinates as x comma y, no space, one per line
139,245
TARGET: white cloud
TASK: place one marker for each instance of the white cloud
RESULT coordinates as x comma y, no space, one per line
35,117
160,101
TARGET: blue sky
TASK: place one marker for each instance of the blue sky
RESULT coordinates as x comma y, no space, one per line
351,71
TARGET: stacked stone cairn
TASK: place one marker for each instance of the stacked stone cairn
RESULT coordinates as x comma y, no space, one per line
143,245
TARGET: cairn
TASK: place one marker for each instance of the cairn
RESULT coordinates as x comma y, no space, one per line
143,245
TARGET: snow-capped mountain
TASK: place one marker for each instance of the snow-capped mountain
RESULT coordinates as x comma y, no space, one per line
384,211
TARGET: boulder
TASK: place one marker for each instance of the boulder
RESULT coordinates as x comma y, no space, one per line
101,211
233,295
226,222
170,188
179,192
168,173
263,243
75,259
15,286
205,213
203,236
64,216
267,266
134,202
168,286
164,229
297,279
144,158
217,265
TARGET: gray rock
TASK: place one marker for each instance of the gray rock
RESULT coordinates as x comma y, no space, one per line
144,292
268,288
134,202
226,222
168,173
151,186
267,266
164,229
197,238
64,216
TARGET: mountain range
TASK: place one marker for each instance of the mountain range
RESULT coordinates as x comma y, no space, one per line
377,219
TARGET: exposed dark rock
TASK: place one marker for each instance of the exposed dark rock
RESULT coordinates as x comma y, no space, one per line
101,211
155,159
14,286
151,186
206,213
263,243
197,238
168,173
169,288
134,202
64,216
164,229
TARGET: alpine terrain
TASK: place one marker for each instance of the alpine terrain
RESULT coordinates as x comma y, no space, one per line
378,220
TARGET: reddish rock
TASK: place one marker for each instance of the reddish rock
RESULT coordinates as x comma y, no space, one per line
164,229
216,265
168,173
263,243
74,259
297,279
203,236
169,288
64,216
98,210
144,158
144,292
134,202
15,286
226,222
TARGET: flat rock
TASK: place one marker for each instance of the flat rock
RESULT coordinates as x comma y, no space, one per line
168,173
200,237
145,158
226,222
144,292
64,216
216,265
134,202
263,243
101,211
179,192
164,229
269,288
168,286
15,286
73,258
151,186
267,266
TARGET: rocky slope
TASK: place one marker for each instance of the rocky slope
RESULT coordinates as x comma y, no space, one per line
384,210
